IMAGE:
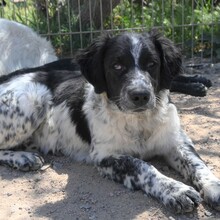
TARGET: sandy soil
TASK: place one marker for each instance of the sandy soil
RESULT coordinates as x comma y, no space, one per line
68,190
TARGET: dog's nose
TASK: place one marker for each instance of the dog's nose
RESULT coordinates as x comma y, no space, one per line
140,98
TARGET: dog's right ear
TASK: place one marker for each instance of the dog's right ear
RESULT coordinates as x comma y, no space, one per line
92,65
170,56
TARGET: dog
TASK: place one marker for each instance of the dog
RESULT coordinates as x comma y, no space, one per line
195,85
21,47
110,108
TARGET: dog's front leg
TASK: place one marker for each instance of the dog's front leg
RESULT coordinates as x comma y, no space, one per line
185,160
137,174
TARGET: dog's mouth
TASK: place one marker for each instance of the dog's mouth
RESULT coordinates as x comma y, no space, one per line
127,106
141,109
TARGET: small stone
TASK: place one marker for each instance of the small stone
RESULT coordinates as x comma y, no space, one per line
37,179
171,218
207,213
85,206
92,217
93,201
45,167
111,194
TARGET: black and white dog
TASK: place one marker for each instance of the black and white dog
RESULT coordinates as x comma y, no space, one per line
116,114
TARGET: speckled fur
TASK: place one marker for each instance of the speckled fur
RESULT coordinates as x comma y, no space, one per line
44,102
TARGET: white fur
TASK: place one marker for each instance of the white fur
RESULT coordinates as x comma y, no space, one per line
115,132
136,48
21,47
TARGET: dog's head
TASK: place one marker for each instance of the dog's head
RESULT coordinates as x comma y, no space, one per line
131,68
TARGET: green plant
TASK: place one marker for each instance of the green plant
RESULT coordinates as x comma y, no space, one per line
195,25
55,23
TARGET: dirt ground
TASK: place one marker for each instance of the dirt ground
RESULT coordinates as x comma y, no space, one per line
68,190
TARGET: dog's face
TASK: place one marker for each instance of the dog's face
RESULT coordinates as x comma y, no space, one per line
131,68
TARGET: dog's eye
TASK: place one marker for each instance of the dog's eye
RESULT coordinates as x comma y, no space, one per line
117,66
151,64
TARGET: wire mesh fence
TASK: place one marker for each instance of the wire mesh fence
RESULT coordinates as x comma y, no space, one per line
194,25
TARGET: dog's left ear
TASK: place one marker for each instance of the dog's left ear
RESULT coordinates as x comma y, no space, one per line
171,58
91,63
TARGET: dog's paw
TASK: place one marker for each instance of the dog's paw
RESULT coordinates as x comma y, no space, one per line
206,82
198,89
25,161
211,194
181,198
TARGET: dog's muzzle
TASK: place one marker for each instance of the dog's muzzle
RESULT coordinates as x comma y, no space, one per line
137,94
139,98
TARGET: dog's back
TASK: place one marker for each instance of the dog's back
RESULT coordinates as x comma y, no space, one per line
21,47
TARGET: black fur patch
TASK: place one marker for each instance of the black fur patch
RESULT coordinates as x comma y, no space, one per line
67,84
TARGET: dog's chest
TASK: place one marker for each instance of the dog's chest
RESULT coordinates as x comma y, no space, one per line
121,133
143,134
